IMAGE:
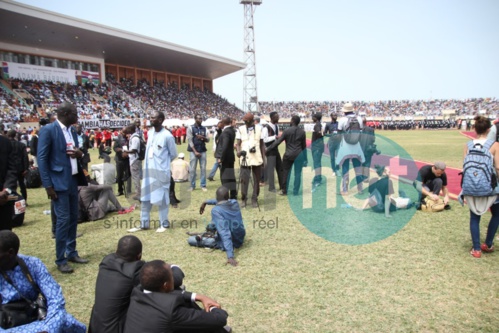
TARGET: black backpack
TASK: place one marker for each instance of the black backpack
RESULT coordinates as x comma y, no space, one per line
142,148
352,131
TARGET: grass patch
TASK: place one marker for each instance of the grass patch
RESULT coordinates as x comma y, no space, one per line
420,279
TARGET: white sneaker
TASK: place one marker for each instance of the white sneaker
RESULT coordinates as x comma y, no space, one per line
135,229
204,189
162,229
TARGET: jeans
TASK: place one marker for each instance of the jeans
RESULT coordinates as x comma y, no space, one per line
193,166
491,230
346,177
136,173
66,212
214,169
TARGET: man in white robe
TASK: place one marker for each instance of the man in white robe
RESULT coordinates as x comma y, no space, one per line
160,151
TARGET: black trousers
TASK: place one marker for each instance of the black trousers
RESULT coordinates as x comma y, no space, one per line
22,186
287,164
228,178
6,213
122,174
245,179
274,162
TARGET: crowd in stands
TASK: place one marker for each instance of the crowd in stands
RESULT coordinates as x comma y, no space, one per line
124,99
114,99
386,108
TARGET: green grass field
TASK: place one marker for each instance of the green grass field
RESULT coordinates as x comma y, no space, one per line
420,279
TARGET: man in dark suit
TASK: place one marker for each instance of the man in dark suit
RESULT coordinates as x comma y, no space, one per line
61,173
225,156
154,307
295,155
84,144
118,274
122,164
21,161
8,180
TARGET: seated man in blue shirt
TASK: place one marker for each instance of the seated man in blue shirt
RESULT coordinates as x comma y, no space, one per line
226,215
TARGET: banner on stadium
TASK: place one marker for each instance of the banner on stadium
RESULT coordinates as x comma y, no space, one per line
87,76
104,123
14,70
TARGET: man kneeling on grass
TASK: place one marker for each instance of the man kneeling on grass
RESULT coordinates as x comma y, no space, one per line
228,221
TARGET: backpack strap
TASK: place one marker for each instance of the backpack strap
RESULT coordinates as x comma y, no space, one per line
488,144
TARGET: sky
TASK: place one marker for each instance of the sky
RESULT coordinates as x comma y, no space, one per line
326,50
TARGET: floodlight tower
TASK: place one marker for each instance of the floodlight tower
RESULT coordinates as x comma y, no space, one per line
250,102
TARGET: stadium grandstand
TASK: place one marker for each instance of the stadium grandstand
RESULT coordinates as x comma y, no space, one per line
48,57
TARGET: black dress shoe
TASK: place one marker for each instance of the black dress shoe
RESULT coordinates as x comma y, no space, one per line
65,269
78,260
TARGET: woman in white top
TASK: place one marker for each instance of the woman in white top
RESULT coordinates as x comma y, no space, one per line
479,205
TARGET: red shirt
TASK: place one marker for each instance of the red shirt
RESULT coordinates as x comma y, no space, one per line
107,135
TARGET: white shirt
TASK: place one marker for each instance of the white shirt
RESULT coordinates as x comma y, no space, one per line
134,144
70,143
105,173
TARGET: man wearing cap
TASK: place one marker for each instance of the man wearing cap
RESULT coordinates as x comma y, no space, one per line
350,151
433,181
270,133
197,137
180,169
250,150
317,149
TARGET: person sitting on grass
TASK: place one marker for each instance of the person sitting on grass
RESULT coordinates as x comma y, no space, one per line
24,277
155,307
228,221
118,275
381,194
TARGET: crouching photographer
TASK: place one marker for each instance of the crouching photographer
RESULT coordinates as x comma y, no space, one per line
226,230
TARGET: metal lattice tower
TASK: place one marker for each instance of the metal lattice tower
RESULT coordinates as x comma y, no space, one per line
250,99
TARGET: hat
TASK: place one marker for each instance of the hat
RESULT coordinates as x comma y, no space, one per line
379,169
439,165
347,107
181,155
248,117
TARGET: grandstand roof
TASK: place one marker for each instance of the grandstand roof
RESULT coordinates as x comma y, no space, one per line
34,27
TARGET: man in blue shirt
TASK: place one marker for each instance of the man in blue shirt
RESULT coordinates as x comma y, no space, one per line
226,215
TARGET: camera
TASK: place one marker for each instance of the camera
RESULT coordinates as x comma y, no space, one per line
243,153
373,149
252,150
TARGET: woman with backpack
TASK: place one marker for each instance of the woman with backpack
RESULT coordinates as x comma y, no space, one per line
481,157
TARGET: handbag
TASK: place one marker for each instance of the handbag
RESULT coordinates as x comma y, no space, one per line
430,205
23,311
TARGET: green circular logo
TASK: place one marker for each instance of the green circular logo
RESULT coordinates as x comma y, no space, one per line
345,207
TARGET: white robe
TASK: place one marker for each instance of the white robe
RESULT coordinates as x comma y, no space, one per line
160,151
